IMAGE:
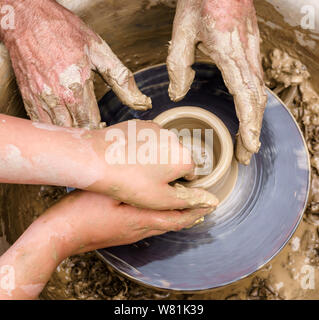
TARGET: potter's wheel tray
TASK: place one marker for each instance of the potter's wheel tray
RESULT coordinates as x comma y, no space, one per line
251,226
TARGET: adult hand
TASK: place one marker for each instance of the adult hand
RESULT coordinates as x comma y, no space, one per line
227,31
53,55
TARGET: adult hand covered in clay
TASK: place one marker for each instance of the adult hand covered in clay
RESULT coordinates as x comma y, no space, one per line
227,31
53,54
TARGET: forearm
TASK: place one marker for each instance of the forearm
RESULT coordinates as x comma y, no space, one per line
80,222
27,266
34,153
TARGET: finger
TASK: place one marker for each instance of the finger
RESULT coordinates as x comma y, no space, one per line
253,56
33,107
117,76
250,104
181,53
249,98
256,92
187,171
148,223
178,156
157,222
34,112
242,154
84,108
244,82
180,197
59,114
164,221
188,167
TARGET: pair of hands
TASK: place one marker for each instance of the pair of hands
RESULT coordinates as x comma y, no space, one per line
54,53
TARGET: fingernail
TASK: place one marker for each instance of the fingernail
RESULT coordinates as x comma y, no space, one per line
180,83
141,102
250,139
242,155
176,94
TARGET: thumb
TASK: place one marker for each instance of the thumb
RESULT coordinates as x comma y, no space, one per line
115,74
181,53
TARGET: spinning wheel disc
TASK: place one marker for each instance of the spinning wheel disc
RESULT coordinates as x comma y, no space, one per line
251,226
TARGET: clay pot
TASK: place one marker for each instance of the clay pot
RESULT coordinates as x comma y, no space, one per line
218,155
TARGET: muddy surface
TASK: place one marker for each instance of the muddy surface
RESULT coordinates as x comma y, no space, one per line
145,31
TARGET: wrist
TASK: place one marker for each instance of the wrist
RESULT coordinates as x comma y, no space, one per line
61,227
106,174
91,170
54,235
67,223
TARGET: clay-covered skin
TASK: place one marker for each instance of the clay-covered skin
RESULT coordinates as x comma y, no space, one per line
227,32
53,55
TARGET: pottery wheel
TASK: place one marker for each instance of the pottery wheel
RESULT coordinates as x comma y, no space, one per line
251,226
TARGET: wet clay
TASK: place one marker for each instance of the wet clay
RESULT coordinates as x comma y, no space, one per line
141,41
215,165
299,43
